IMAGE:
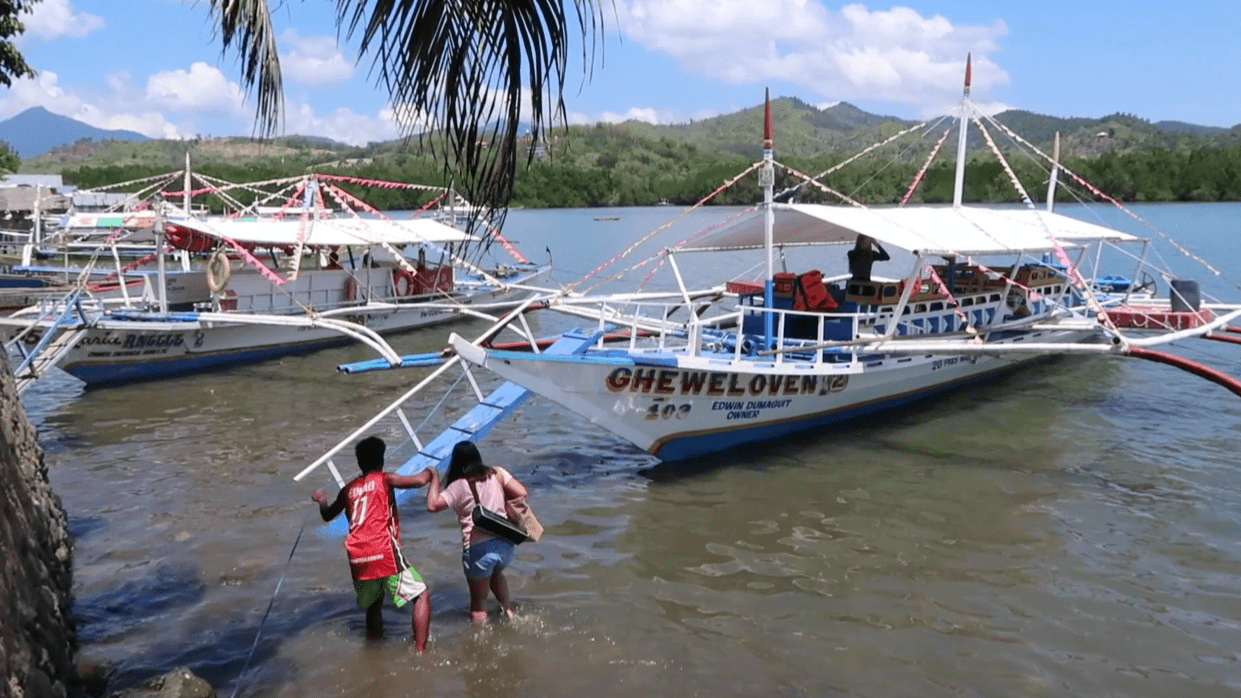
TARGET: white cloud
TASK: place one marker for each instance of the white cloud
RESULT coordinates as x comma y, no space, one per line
315,60
113,111
645,114
342,124
43,90
203,88
894,55
53,19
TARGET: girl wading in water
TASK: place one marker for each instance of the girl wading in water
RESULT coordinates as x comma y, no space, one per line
483,555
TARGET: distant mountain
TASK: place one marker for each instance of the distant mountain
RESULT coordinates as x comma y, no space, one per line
37,130
802,130
1188,128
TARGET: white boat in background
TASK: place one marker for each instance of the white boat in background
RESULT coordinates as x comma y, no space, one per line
691,371
271,287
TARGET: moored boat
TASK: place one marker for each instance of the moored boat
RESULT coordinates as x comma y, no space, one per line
699,369
271,287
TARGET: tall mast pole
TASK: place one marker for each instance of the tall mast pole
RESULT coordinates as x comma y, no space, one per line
185,194
1055,170
767,179
959,184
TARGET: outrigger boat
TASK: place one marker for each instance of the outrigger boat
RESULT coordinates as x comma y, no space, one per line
272,286
691,372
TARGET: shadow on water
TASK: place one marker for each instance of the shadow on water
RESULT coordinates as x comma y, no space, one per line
83,526
107,613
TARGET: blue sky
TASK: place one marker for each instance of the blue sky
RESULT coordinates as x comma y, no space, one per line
155,66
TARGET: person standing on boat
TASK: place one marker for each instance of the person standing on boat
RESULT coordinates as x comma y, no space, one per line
484,556
374,540
866,251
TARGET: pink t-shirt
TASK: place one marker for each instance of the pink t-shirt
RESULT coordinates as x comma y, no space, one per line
461,500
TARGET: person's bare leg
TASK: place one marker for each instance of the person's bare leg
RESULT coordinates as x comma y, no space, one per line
422,621
478,600
499,587
375,619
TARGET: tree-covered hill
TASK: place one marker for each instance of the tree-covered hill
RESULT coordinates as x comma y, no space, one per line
636,163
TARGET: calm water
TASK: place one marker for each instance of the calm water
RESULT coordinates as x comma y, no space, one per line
1070,530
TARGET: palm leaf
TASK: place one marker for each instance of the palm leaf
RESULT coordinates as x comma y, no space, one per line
459,74
247,23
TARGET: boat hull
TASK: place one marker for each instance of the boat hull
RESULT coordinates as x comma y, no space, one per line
681,407
123,352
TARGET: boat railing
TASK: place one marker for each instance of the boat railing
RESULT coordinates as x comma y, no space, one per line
407,418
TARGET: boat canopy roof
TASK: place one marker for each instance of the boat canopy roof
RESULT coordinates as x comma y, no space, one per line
932,230
325,232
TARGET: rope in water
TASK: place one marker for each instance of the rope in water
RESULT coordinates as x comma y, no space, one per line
258,634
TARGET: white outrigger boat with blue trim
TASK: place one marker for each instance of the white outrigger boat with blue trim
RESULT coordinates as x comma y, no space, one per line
690,372
328,279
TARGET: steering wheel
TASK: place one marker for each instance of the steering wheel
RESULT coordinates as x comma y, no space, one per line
1145,284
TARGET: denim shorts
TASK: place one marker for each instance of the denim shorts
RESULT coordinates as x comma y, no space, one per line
486,557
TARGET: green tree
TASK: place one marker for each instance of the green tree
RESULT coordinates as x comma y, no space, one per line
12,64
460,74
9,162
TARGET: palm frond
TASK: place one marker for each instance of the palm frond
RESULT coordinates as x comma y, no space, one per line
460,73
247,25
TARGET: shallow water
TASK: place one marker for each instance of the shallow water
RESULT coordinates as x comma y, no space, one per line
1071,529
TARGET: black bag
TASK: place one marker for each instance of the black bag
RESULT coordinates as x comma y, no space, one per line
496,523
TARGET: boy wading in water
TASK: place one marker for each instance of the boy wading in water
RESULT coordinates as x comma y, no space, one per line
374,540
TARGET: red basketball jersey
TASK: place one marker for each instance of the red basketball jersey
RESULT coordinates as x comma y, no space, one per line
374,539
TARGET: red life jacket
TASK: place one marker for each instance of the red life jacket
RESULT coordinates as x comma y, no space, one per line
374,539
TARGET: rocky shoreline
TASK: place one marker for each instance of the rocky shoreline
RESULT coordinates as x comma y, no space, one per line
38,640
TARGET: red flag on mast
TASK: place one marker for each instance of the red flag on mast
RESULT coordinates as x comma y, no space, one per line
767,144
967,73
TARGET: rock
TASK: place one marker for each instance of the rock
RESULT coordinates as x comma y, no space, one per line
179,683
93,675
37,637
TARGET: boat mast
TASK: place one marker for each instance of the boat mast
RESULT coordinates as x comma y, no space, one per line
1055,170
966,109
767,179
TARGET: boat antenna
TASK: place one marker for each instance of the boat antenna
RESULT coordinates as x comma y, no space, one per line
767,179
966,109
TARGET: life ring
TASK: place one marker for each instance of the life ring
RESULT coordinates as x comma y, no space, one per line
219,271
402,282
351,289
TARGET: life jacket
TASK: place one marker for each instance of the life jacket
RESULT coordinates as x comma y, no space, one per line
811,294
374,539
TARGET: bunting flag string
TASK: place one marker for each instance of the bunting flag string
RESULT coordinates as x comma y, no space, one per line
869,149
727,183
1012,176
943,291
145,259
821,186
1100,194
172,194
508,247
254,261
913,186
378,183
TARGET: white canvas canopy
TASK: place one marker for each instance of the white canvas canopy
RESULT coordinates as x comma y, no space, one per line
331,231
925,229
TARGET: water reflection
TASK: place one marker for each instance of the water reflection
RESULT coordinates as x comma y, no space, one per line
1066,530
